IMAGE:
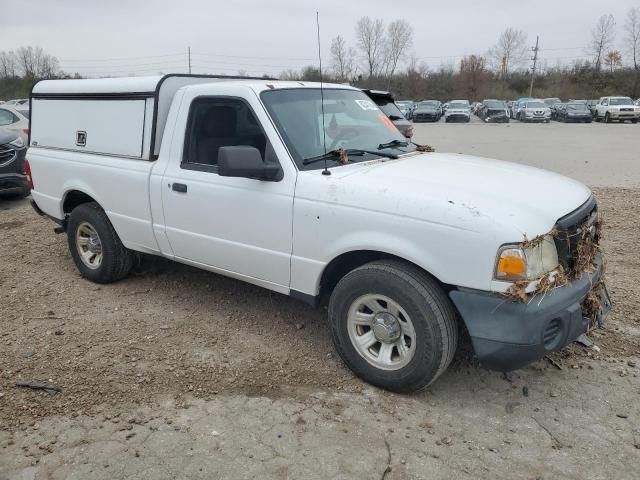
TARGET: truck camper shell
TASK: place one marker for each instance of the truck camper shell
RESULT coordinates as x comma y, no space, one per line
122,117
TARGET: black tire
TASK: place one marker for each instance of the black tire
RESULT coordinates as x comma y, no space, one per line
607,118
432,315
117,260
634,120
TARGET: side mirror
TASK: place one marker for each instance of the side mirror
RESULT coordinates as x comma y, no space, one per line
246,162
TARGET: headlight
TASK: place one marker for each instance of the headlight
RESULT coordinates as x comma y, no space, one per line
526,262
18,142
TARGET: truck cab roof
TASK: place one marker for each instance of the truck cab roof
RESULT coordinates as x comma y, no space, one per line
148,98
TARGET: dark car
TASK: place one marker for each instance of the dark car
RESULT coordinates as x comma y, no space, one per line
427,111
591,104
493,111
386,103
13,180
555,108
574,112
551,101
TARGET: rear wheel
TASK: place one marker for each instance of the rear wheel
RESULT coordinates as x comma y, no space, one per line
634,120
393,325
95,246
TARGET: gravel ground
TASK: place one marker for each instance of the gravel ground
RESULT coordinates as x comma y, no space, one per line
180,373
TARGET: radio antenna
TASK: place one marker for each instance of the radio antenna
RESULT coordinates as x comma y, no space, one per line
324,133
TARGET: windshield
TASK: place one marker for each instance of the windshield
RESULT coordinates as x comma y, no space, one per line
352,121
428,105
536,105
495,104
578,107
454,105
621,101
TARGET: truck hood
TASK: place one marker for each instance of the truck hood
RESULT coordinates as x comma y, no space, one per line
460,191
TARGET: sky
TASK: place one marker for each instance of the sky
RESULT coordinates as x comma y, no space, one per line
121,37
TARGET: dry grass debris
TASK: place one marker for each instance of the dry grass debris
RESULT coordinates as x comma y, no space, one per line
584,261
424,148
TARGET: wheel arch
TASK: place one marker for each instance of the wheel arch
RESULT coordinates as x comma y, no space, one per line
342,264
74,197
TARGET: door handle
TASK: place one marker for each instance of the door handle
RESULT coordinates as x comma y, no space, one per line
179,187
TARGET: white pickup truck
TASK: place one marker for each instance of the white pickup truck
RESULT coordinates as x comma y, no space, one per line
314,194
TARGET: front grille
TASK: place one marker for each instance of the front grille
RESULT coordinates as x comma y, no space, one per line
551,334
569,231
626,109
7,154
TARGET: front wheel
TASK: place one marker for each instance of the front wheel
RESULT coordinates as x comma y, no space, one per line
607,118
393,325
95,246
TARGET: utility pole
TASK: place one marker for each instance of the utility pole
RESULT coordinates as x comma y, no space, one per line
533,70
189,56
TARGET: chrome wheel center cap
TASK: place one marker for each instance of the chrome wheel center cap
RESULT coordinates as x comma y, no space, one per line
386,327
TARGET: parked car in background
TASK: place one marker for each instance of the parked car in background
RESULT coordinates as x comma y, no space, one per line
386,103
517,105
493,111
406,107
616,108
592,107
534,111
458,111
13,149
551,101
555,108
16,119
428,111
576,111
18,101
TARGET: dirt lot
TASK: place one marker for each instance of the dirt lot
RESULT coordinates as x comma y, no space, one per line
180,373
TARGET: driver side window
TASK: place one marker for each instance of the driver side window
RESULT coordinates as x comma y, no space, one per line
219,122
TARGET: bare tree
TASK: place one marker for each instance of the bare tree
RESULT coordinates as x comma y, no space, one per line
8,65
510,51
370,36
342,59
632,37
473,76
399,40
602,37
34,63
613,60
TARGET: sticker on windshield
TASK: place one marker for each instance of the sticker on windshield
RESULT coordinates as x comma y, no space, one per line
367,105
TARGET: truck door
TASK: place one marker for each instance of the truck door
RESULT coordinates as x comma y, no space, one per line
238,226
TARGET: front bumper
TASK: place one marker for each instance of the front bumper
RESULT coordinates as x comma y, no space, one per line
13,183
507,335
578,118
624,115
456,117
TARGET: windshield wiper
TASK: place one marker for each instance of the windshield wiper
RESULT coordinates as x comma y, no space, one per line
335,154
392,144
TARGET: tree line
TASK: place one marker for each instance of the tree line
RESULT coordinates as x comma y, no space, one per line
383,57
